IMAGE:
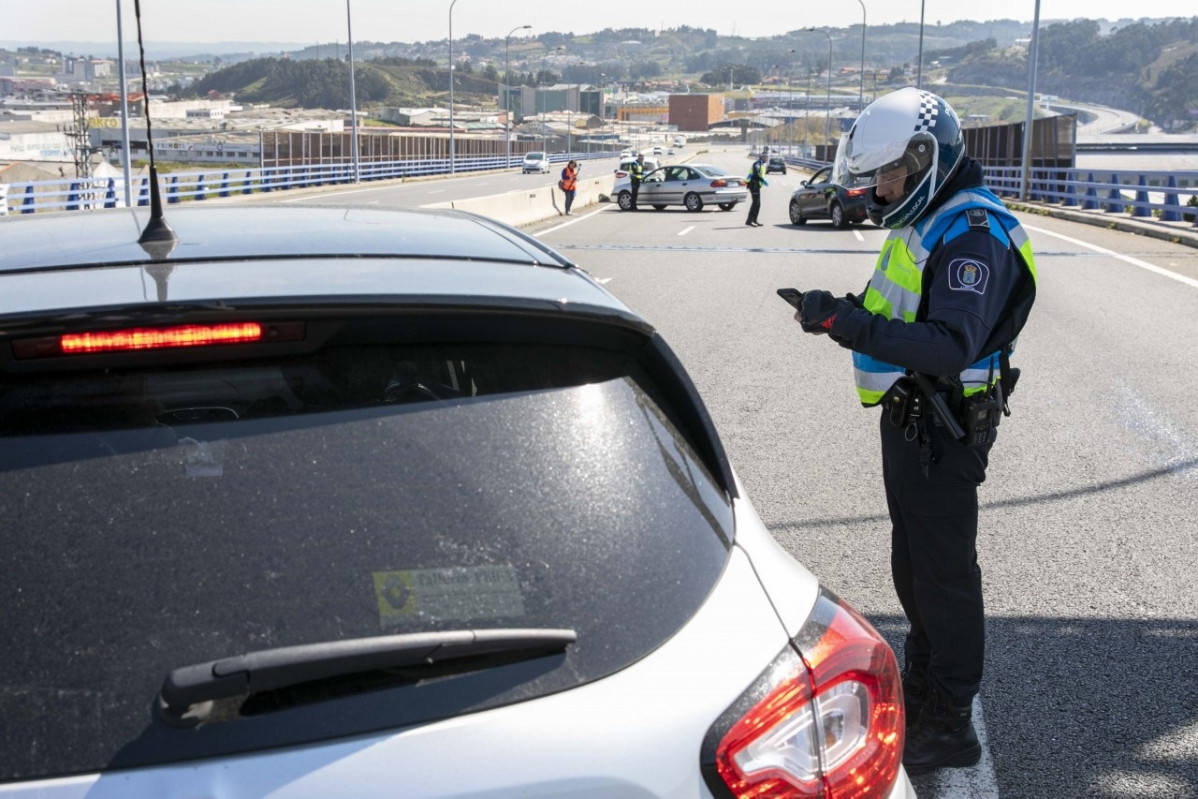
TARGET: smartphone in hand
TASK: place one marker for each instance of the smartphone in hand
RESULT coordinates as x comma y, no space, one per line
793,296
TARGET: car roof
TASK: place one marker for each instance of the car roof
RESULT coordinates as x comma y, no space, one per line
92,258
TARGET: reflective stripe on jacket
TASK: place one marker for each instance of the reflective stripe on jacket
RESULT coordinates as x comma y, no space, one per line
897,284
636,171
756,175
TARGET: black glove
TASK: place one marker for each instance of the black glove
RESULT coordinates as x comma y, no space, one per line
818,311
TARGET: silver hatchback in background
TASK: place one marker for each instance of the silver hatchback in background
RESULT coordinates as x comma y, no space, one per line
318,502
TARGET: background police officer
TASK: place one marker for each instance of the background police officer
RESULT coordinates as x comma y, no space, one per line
756,180
952,288
636,173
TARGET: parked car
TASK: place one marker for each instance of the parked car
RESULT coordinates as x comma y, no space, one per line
535,161
822,197
689,185
775,164
318,502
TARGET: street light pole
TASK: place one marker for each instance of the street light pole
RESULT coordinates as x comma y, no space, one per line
861,91
451,165
544,109
919,65
828,109
353,99
1031,105
807,115
602,111
120,46
507,96
790,104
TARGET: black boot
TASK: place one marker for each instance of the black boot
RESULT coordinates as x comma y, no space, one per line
942,737
917,690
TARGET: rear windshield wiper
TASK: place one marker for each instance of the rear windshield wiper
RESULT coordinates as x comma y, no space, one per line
271,669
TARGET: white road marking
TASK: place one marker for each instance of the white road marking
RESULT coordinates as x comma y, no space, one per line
437,191
857,233
603,280
975,782
1189,281
686,230
540,233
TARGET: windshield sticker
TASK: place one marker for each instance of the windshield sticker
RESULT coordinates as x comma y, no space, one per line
455,594
203,458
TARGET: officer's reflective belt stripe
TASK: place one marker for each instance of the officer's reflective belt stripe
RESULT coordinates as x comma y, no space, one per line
874,377
897,284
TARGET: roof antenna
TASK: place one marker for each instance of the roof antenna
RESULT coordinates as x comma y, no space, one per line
157,239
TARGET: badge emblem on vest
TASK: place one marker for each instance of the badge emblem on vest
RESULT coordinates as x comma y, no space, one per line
968,275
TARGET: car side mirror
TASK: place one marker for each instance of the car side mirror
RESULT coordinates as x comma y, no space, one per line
804,183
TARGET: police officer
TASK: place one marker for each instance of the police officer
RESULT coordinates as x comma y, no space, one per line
756,180
952,288
636,174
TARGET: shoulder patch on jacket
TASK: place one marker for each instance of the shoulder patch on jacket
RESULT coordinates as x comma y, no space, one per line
977,218
966,274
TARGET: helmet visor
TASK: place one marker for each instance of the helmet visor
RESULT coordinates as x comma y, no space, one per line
907,158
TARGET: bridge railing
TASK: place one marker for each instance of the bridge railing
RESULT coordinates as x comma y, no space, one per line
1167,196
79,194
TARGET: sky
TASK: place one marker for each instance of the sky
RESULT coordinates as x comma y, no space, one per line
322,21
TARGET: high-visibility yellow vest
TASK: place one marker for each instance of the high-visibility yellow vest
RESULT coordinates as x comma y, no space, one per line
897,284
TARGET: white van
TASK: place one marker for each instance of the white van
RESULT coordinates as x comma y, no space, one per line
535,161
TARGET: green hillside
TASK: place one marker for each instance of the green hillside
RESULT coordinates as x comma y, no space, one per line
1150,66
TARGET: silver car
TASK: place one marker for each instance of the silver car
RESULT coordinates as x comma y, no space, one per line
690,185
313,502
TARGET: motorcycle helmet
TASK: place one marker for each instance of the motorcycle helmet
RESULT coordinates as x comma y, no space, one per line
912,130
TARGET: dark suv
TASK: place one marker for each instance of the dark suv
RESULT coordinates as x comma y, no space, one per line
775,164
326,501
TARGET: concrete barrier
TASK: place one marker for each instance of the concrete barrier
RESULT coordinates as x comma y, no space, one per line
528,207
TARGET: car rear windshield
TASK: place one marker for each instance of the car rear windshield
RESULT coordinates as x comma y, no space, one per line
159,515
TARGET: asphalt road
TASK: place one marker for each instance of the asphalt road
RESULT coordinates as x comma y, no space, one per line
1089,520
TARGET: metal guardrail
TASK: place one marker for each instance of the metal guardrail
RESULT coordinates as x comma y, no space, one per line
1142,194
87,193
1167,196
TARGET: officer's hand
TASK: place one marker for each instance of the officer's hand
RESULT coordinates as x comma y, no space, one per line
855,300
818,311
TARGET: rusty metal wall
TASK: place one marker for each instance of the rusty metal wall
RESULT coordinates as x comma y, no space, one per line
295,148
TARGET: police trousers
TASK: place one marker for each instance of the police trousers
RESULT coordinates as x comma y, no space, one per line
933,555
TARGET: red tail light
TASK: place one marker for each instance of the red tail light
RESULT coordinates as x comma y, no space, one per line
830,725
621,174
149,338
855,192
719,184
152,338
